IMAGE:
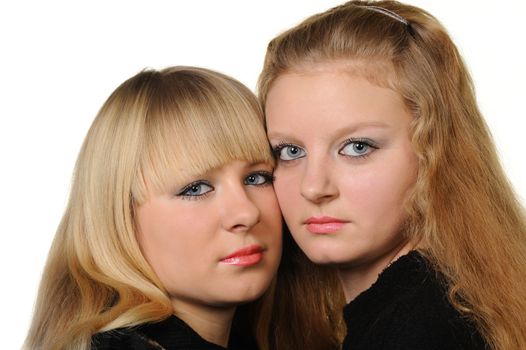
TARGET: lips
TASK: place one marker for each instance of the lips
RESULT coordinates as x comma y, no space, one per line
324,224
247,256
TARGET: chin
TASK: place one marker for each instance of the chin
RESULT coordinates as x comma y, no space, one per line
320,259
247,292
240,299
332,257
321,254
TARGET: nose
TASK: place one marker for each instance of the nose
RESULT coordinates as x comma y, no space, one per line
317,185
239,212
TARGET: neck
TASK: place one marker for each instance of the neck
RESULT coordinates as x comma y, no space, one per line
356,278
211,323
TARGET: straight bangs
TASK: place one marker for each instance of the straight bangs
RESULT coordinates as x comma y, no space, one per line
198,120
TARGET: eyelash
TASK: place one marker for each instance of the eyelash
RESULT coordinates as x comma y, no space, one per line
279,147
187,188
267,176
364,141
276,151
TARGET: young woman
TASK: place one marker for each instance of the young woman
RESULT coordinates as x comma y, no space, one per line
386,170
172,220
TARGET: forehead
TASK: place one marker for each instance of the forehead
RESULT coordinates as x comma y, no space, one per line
378,72
314,99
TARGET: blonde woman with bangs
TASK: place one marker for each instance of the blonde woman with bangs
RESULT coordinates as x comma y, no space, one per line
387,172
171,224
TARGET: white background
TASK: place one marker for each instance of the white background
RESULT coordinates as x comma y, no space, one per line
59,61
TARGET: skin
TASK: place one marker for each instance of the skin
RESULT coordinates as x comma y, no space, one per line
344,152
186,234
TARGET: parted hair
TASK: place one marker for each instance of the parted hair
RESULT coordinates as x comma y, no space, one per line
157,126
463,210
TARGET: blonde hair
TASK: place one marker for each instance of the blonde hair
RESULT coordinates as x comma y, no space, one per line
158,125
463,210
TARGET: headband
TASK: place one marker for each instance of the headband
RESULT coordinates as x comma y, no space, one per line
387,12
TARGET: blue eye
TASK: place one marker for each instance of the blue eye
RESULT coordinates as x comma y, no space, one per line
357,148
259,178
289,152
195,189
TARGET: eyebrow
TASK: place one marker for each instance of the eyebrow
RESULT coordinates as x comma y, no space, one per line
350,128
363,125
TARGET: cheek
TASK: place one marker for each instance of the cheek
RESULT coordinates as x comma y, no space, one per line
287,190
270,214
158,240
380,192
170,239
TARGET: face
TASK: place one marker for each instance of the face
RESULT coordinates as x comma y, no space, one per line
345,165
216,239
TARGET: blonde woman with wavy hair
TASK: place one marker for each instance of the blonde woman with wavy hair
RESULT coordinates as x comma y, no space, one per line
387,171
171,223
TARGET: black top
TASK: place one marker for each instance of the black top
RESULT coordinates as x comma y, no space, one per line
407,308
169,334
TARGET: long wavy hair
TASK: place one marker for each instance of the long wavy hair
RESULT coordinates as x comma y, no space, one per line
156,126
463,209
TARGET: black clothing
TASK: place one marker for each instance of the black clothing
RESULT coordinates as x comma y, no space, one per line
170,334
407,308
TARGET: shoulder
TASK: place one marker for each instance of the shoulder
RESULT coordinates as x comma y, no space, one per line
170,333
408,308
124,338
422,317
426,323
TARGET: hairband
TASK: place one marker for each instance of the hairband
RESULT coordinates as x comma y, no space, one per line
387,13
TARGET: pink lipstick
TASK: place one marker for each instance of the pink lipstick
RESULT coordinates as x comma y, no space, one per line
324,224
247,256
